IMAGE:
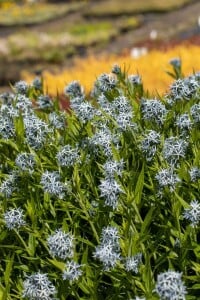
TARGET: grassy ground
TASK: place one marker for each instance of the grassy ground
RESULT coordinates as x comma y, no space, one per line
57,44
13,15
117,7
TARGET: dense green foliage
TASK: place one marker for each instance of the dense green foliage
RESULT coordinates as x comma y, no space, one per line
98,202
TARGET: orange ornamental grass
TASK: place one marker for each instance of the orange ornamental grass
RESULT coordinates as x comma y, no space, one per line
151,67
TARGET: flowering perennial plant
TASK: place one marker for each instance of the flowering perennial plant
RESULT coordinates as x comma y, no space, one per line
14,218
61,244
38,287
96,202
72,271
108,252
169,286
193,213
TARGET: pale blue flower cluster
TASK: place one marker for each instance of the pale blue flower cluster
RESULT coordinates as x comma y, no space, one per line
44,102
7,129
68,156
153,110
174,149
105,83
122,112
9,185
25,162
83,110
74,89
169,286
23,104
72,271
14,218
51,184
133,263
38,287
184,89
110,191
37,84
175,62
7,98
57,120
108,252
116,69
167,178
113,167
183,122
150,143
61,244
195,112
36,131
135,79
21,87
9,110
193,213
104,139
194,174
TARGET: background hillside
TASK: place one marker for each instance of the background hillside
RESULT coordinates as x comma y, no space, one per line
46,36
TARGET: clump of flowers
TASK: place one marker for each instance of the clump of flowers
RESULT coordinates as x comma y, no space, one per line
51,184
14,218
169,286
174,149
98,200
192,214
150,143
67,156
153,110
61,244
38,287
25,162
72,271
108,252
133,262
167,178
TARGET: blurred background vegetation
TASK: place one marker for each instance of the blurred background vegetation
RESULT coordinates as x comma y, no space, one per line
58,38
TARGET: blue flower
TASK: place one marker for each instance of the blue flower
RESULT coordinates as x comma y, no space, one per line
61,244
72,271
193,213
153,110
21,87
25,161
74,89
105,83
51,184
169,286
108,252
149,144
67,156
132,263
174,149
110,191
167,178
14,218
194,173
38,287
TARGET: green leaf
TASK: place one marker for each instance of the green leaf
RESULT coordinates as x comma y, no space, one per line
147,220
58,264
139,187
183,202
7,275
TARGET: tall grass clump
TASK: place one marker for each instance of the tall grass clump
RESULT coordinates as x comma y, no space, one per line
101,201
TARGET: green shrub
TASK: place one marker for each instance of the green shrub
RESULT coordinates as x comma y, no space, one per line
101,201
